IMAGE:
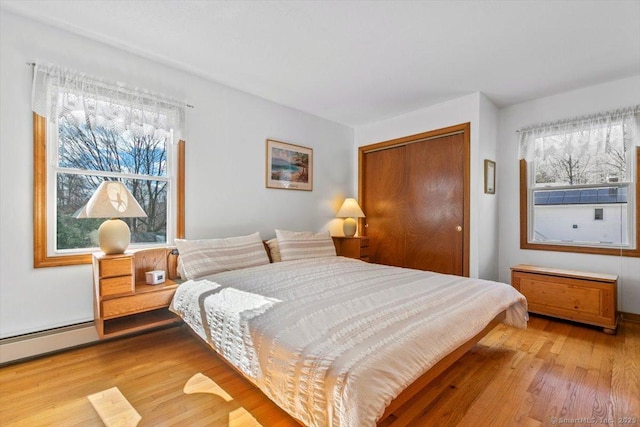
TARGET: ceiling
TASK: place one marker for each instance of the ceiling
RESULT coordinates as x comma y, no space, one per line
356,62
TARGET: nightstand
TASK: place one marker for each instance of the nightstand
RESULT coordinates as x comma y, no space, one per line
352,247
123,302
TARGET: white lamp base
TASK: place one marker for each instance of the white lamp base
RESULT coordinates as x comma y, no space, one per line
114,236
349,227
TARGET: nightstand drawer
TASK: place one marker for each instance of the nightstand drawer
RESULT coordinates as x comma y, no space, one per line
364,242
136,303
117,286
112,267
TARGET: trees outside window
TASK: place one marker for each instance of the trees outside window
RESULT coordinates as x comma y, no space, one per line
89,155
557,165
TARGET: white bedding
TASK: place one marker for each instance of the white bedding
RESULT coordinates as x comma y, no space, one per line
333,340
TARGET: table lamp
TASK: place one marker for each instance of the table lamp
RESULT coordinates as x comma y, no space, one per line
112,200
350,210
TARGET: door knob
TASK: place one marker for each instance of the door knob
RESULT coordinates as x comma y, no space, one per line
459,228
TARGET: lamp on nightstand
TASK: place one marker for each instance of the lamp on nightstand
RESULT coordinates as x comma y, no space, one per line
112,200
350,210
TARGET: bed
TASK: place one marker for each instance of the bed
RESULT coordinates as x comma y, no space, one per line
336,341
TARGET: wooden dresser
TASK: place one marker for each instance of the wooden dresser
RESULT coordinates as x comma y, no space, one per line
573,295
352,247
123,302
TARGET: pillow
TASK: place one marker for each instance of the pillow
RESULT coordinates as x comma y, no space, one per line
274,250
209,256
304,244
180,268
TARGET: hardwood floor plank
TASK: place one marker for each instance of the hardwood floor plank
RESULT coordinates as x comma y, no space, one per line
526,400
410,413
511,378
508,390
464,392
625,378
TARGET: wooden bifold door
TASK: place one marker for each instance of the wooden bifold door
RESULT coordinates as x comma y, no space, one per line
415,195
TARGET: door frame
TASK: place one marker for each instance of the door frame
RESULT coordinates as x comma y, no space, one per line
465,130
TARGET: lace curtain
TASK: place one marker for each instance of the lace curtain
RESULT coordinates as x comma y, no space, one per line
91,101
600,136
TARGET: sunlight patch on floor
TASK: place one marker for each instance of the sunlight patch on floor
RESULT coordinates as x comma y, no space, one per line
239,417
114,409
242,418
200,383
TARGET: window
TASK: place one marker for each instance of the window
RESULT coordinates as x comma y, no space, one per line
96,131
579,184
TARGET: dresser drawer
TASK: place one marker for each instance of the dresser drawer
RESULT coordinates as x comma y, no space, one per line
136,303
117,286
112,267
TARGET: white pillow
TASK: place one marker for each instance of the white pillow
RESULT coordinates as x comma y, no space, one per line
180,268
304,244
209,256
274,250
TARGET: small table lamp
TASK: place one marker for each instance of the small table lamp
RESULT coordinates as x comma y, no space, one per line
350,210
112,200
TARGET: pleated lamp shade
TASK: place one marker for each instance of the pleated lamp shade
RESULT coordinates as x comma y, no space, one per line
350,210
113,200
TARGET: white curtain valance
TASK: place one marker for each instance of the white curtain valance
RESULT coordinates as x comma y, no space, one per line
595,147
58,92
581,136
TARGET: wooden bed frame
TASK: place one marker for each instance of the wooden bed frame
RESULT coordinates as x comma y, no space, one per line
418,385
414,388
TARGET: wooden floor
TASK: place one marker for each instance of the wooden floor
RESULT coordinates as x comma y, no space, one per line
554,372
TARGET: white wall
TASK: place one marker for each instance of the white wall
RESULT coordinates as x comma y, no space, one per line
225,189
593,99
482,114
487,203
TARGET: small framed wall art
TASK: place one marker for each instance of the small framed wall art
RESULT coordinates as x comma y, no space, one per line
289,166
489,176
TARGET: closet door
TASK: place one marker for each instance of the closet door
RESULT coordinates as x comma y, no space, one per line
383,202
435,193
415,194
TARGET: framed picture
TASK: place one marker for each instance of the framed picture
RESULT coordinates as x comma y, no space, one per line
289,166
489,177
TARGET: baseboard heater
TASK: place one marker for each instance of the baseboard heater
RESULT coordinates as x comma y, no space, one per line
20,347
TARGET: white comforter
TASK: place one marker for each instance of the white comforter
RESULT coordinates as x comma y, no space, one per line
333,340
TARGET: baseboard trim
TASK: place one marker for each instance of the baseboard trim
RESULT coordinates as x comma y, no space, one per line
630,317
37,344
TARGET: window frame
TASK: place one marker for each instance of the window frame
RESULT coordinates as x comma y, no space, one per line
41,257
524,219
